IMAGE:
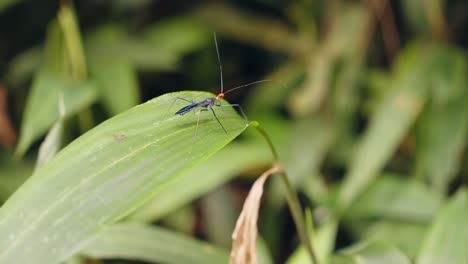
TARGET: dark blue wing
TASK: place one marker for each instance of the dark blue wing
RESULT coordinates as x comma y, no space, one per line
187,109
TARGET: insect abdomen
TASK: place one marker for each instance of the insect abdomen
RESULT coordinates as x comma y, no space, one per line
186,109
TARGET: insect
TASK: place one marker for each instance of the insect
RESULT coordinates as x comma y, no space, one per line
208,103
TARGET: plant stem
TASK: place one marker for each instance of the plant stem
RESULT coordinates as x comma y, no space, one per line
292,198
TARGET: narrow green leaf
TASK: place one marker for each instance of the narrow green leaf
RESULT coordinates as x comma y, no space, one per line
42,106
406,236
110,41
117,82
394,197
178,35
339,42
447,239
72,41
106,174
374,252
22,66
388,125
307,146
443,126
152,244
392,120
13,173
159,47
55,53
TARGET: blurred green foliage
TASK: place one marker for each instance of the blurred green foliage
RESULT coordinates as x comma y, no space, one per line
367,105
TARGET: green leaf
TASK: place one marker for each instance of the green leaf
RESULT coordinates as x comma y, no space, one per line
394,197
110,41
230,161
152,244
339,44
13,173
106,174
117,82
405,235
178,35
160,46
308,143
443,127
447,239
22,66
42,106
377,252
388,125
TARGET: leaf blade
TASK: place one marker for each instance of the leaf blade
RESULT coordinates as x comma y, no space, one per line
446,240
106,174
42,106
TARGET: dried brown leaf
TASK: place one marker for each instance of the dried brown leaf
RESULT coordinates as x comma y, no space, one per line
245,234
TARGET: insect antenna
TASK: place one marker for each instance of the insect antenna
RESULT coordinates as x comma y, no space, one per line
245,85
219,61
222,93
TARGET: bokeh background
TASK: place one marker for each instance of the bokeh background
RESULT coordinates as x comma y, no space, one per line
367,104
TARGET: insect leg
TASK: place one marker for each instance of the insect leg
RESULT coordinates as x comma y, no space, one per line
214,113
198,121
240,110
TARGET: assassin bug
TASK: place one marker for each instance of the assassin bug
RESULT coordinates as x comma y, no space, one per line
210,102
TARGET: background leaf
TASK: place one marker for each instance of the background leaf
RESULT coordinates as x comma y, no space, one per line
152,244
446,239
388,125
117,79
393,197
42,109
370,253
443,127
